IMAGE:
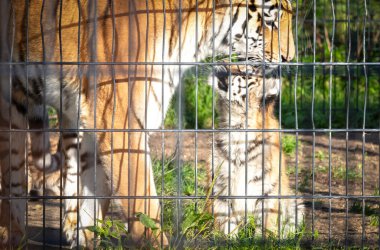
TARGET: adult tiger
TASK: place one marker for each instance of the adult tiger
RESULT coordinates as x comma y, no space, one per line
110,68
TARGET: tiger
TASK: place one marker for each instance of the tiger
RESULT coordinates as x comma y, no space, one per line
110,68
249,163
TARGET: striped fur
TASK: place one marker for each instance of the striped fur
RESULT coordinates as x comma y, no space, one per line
124,96
251,163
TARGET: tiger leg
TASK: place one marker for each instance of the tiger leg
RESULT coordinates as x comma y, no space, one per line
94,182
226,224
44,162
72,142
126,153
289,215
292,216
13,182
223,209
280,214
135,178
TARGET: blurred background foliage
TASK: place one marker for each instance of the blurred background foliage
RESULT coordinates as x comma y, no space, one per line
347,33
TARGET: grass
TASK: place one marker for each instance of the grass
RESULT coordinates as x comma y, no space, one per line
197,229
320,155
339,172
371,210
289,144
197,105
375,217
111,233
290,170
53,117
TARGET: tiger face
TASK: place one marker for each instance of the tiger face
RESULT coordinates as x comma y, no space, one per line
261,34
234,84
262,31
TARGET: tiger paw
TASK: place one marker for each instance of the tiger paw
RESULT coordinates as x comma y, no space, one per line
70,227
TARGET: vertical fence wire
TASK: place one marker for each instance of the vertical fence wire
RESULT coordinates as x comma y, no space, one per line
13,25
113,75
196,109
263,124
330,113
312,117
179,134
364,120
80,80
348,94
296,109
229,126
279,68
44,113
146,107
27,113
61,105
213,114
94,58
163,122
246,120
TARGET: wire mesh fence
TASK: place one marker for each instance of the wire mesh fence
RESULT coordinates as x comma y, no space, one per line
122,110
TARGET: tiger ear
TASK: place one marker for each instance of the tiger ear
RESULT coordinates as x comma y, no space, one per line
286,33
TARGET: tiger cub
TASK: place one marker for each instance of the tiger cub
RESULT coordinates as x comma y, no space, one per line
249,163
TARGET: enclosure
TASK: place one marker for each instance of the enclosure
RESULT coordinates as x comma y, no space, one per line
328,109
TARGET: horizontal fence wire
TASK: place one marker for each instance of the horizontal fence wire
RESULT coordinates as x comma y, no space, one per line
188,197
217,130
31,63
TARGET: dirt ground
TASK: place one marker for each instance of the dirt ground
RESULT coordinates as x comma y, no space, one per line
334,220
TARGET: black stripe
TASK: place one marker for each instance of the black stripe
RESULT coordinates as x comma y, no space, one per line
19,86
253,146
72,210
85,167
83,157
37,91
37,153
234,19
6,152
36,123
21,107
252,6
68,179
259,177
73,145
274,6
17,195
70,135
14,185
17,168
